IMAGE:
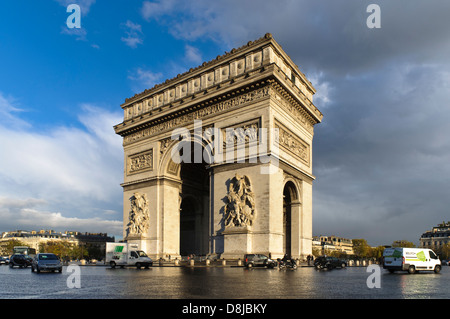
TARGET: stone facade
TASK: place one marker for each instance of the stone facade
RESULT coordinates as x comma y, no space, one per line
251,98
436,238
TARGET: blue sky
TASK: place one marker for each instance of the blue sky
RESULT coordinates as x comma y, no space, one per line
380,156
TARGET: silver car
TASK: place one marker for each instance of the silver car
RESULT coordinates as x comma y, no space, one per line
46,262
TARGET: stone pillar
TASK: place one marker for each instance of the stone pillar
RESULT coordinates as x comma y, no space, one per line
170,220
296,230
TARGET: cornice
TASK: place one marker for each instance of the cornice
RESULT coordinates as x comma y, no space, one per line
254,54
267,39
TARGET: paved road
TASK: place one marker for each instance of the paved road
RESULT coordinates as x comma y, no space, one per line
99,282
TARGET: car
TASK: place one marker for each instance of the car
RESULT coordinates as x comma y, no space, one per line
328,262
46,262
4,260
19,260
258,260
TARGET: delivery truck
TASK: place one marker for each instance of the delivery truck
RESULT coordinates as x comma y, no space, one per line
126,255
410,260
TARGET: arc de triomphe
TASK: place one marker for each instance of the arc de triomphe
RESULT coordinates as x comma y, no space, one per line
218,160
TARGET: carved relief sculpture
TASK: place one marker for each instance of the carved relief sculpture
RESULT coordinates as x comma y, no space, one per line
140,162
240,209
139,215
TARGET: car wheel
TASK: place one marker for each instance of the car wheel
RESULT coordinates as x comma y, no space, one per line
37,269
138,265
437,269
411,269
32,269
250,265
112,264
343,265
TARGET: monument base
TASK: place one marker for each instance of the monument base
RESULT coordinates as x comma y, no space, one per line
237,242
145,244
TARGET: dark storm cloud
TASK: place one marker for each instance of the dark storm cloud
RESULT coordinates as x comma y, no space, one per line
381,154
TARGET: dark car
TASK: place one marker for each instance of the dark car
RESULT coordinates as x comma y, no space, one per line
19,260
326,262
4,260
258,260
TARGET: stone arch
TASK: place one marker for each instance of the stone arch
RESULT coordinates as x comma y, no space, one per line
167,166
194,198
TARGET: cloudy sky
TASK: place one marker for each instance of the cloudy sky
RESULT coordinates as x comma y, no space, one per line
381,155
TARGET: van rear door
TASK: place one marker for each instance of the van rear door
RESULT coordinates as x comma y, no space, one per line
393,257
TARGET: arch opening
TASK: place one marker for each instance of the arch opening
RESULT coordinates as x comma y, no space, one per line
194,208
289,197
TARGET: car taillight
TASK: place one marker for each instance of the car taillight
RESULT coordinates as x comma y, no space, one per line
403,259
246,259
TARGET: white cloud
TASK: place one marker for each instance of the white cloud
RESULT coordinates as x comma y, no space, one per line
143,79
80,34
7,111
73,171
193,54
134,35
323,90
153,10
26,214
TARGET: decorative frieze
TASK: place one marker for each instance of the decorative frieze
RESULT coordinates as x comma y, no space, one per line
293,144
198,114
298,112
241,133
140,162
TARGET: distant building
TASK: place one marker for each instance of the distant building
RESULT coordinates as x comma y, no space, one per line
329,244
33,238
436,238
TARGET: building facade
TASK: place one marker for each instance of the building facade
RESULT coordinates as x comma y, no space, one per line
218,160
436,238
329,244
34,238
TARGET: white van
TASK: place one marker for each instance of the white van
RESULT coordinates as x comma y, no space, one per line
410,259
124,254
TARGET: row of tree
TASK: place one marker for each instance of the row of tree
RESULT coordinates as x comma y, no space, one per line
65,250
362,250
